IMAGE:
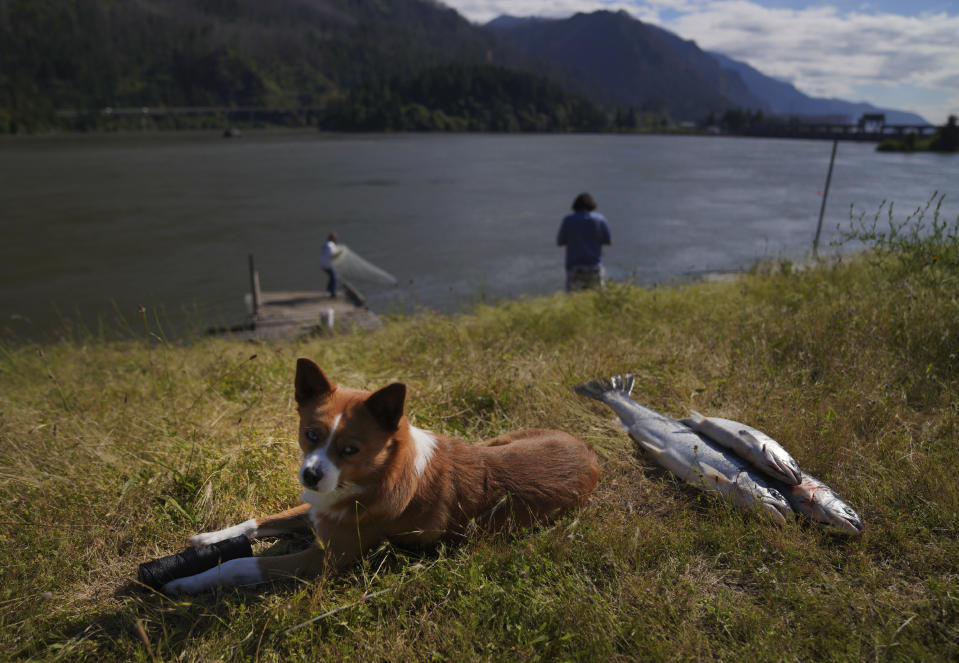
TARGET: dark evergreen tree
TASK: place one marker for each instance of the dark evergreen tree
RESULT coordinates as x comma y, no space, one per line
947,138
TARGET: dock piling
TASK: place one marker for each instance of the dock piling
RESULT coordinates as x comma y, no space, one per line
255,294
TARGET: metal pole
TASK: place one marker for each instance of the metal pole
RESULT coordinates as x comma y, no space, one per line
825,194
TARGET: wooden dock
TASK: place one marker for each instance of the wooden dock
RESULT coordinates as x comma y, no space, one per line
285,315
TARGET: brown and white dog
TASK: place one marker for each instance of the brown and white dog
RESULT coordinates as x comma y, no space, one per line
369,476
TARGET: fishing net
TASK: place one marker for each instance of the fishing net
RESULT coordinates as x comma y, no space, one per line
352,266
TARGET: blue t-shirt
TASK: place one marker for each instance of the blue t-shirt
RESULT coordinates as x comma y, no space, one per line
584,234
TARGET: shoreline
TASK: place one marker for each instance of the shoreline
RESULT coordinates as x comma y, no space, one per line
154,324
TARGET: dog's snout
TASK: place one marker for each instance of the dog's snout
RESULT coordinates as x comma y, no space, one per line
312,476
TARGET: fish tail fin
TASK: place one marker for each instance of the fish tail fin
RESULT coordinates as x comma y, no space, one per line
622,384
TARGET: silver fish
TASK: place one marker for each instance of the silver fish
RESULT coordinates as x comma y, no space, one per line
807,494
765,453
813,498
687,454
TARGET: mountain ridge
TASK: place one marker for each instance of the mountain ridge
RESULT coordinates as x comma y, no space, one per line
762,92
620,61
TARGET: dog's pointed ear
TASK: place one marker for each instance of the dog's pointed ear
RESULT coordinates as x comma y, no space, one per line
310,382
386,405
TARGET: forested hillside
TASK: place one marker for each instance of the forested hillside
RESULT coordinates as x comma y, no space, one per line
370,56
91,54
466,98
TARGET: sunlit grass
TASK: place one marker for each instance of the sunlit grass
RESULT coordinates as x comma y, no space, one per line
112,453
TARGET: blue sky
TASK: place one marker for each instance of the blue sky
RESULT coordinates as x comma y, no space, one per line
892,53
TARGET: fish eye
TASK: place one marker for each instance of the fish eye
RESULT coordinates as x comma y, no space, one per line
349,450
311,435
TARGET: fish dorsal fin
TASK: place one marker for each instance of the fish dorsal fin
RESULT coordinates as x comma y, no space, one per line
696,416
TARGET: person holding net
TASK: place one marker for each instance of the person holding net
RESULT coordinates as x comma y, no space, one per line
327,254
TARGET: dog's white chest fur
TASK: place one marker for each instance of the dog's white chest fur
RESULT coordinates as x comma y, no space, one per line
424,444
321,504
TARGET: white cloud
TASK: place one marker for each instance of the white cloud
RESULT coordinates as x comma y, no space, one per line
907,62
826,53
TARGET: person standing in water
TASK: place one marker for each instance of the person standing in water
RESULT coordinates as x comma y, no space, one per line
329,252
584,233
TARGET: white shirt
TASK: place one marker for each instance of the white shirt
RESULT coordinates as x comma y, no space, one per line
327,254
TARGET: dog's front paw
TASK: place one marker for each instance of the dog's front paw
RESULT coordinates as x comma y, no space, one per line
187,585
204,539
242,571
247,529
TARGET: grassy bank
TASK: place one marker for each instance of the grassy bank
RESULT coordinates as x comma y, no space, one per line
111,454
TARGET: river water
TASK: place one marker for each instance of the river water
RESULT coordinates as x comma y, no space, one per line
95,227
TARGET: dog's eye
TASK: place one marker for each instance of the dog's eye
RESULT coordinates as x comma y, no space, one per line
349,450
311,435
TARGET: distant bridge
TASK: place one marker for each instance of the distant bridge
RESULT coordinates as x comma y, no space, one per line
871,127
841,131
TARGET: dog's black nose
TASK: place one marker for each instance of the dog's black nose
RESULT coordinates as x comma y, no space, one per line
311,476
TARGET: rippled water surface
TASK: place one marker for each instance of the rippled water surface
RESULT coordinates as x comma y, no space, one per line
96,226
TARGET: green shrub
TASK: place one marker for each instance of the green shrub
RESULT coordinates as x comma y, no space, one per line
916,247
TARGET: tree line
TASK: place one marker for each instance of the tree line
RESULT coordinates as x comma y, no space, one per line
372,65
946,139
464,98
